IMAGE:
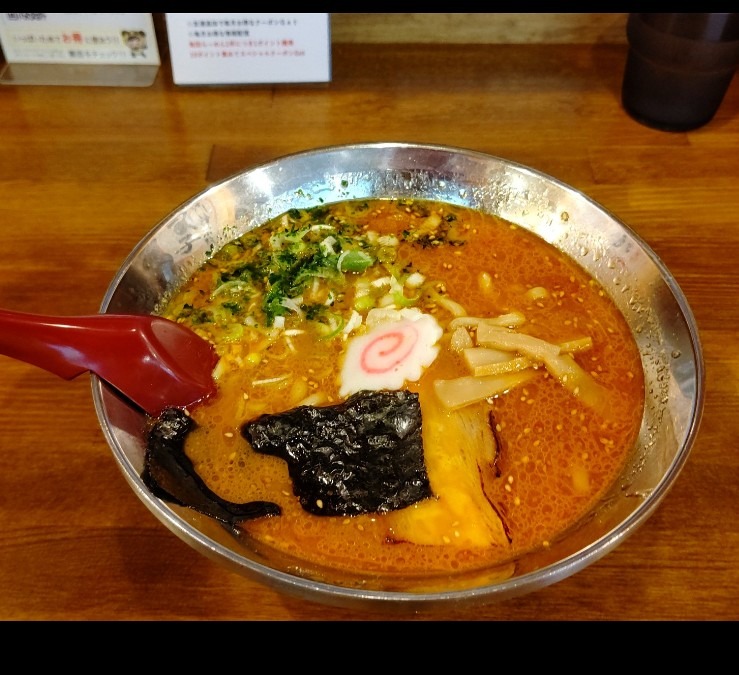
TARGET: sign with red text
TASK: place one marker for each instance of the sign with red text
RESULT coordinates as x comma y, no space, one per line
229,48
116,38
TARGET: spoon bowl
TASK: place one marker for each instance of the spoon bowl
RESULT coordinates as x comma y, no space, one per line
154,362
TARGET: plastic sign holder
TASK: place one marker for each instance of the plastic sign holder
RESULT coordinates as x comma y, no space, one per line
110,49
240,49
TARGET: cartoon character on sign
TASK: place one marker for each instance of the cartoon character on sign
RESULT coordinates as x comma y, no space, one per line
135,40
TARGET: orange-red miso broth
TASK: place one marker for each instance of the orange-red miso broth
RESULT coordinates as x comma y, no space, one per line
529,381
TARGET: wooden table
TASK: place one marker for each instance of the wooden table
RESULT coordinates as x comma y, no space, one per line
86,172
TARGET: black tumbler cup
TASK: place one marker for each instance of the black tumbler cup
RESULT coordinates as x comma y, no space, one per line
678,68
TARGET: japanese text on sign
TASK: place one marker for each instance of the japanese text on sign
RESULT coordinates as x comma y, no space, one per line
249,48
109,38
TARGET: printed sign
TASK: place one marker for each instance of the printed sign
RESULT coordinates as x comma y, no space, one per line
73,38
225,48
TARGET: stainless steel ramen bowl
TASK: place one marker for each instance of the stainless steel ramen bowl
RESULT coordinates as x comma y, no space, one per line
642,287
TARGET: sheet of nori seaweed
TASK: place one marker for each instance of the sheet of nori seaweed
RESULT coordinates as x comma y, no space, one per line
170,475
364,455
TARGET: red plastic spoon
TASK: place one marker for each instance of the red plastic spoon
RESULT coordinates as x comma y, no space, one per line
153,361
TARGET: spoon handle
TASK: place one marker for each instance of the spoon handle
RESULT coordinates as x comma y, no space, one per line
60,345
154,362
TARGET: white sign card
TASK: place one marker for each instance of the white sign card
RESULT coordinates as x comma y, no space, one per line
236,48
116,38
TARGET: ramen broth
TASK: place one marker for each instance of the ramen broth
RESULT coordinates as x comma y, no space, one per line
510,470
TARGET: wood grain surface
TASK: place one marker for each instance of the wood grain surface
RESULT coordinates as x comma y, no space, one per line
85,173
479,28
